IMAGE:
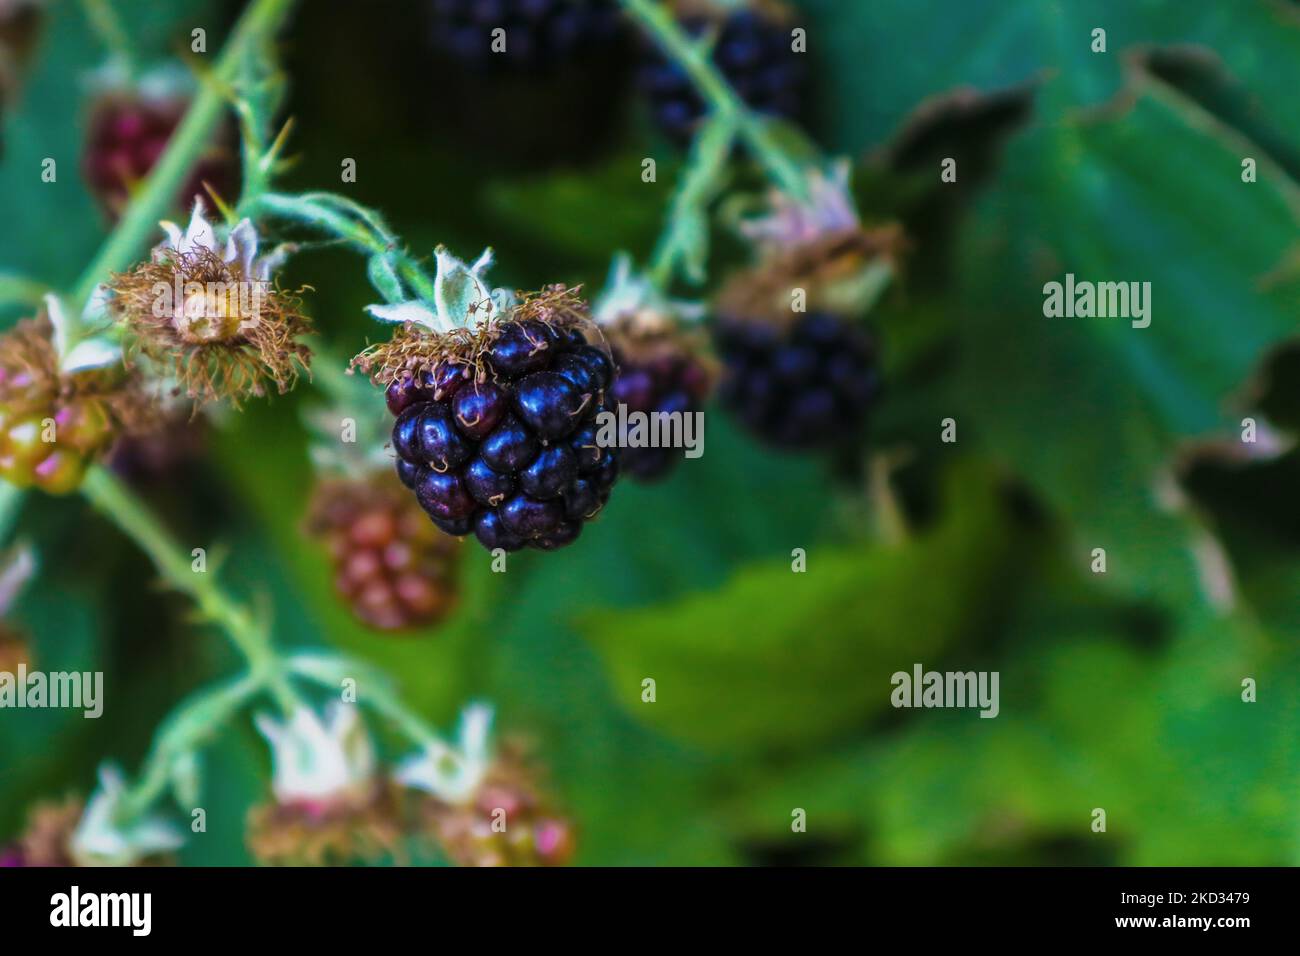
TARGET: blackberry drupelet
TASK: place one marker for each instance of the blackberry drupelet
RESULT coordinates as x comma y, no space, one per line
806,387
505,448
538,34
753,52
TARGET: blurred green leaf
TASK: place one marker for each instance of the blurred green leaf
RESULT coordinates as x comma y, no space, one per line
777,658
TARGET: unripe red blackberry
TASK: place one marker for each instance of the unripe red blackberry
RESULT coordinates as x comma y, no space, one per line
494,430
128,131
505,822
395,571
537,34
53,424
753,52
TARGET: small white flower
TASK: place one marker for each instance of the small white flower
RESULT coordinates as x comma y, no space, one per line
82,344
453,774
239,251
462,298
101,841
628,292
829,209
317,760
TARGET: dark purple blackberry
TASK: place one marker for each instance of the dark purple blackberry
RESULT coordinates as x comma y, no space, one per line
539,34
811,387
510,454
754,54
669,382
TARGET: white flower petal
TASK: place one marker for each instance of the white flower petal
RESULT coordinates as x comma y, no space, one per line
91,353
199,233
404,312
241,246
315,759
174,235
100,840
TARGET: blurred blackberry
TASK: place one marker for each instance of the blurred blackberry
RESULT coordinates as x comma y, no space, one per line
164,454
753,52
395,570
127,136
506,821
810,386
503,443
667,383
539,34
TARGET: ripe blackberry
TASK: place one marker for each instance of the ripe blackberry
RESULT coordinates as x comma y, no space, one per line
539,34
806,379
508,451
395,571
753,52
810,386
128,133
666,384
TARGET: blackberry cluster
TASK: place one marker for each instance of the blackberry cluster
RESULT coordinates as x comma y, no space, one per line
538,33
753,53
810,386
128,135
511,454
663,383
394,570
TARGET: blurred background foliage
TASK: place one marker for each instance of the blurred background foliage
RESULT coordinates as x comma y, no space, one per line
1120,691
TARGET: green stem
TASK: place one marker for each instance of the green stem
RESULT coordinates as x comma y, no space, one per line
685,240
11,505
118,503
261,20
360,227
105,21
327,670
188,726
20,290
658,21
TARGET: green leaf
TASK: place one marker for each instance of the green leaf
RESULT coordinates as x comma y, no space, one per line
1092,408
776,658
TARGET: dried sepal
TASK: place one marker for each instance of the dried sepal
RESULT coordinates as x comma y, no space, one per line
226,348
834,272
415,349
